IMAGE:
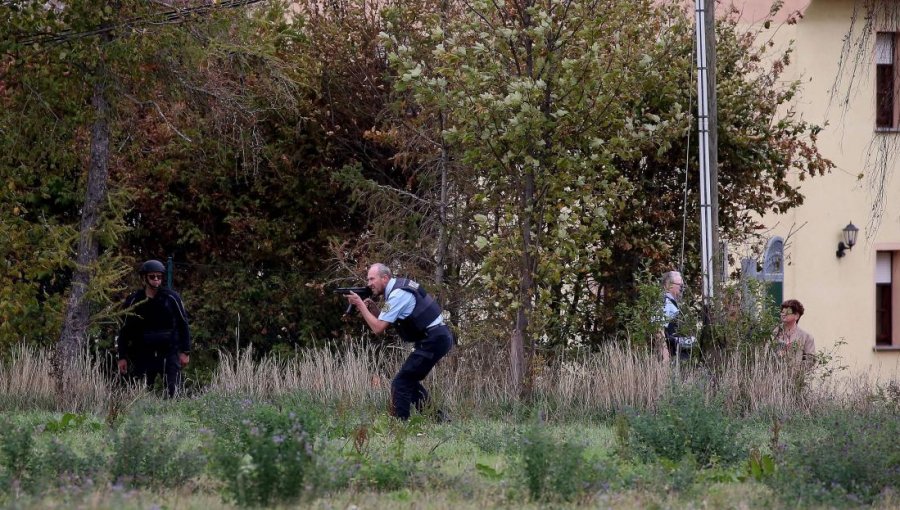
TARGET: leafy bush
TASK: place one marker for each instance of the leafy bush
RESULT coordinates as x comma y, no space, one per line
59,463
491,437
642,317
686,424
268,461
311,414
149,451
32,461
855,458
221,415
389,469
385,473
553,470
16,445
334,469
224,414
71,421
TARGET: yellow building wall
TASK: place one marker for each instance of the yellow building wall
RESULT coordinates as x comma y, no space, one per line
838,293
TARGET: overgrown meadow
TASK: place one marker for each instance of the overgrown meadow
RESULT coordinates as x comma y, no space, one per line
615,428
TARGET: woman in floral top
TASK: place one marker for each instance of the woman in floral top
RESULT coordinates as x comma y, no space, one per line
790,340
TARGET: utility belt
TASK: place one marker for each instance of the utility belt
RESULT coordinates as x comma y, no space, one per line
158,340
436,345
413,336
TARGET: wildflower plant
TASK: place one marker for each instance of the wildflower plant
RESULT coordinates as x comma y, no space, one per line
550,469
856,459
150,452
269,460
686,424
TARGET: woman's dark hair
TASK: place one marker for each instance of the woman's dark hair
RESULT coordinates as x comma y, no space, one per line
795,307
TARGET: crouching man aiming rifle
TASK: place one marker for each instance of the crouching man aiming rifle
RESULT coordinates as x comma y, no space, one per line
418,320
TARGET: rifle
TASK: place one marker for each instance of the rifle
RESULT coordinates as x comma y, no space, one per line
363,292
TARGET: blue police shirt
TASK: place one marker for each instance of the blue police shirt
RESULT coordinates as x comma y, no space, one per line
669,309
400,304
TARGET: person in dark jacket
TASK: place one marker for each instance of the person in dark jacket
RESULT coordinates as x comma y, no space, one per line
418,320
155,337
679,347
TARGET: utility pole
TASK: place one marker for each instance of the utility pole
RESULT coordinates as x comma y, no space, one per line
706,126
718,253
704,84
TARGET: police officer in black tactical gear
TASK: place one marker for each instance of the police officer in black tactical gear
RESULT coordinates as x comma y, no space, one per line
417,318
155,336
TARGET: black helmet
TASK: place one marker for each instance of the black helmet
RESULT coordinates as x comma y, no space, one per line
152,266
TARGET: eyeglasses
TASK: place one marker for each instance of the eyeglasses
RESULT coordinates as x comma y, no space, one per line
154,277
787,312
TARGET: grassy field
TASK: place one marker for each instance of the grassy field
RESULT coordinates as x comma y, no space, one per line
312,433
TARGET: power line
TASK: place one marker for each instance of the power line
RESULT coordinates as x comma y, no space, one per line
161,18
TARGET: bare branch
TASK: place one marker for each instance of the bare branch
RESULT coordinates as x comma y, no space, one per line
161,114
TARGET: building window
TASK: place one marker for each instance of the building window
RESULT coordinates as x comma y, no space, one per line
887,297
883,289
886,111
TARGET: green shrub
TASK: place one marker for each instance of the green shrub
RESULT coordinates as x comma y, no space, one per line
33,461
218,413
678,475
686,424
554,470
16,446
224,415
387,469
60,463
334,469
641,317
149,451
491,437
856,458
71,421
311,414
268,461
385,474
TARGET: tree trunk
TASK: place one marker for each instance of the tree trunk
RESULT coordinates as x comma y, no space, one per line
73,338
444,162
443,243
516,358
521,341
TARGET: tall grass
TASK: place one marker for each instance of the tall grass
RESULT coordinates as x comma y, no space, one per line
470,380
604,381
355,373
27,382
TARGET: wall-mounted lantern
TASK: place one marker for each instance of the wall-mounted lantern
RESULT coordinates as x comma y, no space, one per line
849,239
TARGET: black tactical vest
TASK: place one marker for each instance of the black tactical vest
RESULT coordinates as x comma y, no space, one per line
412,328
672,326
156,317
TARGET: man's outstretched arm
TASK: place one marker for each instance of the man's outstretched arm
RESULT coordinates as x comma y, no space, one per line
377,325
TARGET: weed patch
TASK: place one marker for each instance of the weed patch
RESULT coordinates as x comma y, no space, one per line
268,459
857,457
150,452
553,470
685,424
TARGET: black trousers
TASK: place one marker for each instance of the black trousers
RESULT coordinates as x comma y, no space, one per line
406,387
151,363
